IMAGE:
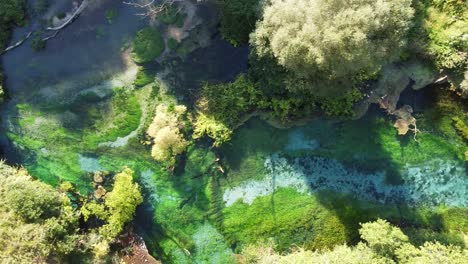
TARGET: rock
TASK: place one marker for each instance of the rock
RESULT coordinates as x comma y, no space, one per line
99,177
395,78
99,192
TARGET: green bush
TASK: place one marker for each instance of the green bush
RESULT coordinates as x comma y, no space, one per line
147,45
143,78
341,105
221,107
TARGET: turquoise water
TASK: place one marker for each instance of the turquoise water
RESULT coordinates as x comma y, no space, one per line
60,119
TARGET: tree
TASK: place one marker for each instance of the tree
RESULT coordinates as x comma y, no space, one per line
382,237
166,134
385,244
326,41
36,222
431,253
118,208
121,203
147,45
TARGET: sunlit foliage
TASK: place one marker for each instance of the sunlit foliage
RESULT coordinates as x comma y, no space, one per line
166,133
333,40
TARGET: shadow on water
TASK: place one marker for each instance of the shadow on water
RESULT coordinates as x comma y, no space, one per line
89,48
357,170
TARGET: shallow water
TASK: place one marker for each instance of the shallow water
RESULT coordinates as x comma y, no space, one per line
88,48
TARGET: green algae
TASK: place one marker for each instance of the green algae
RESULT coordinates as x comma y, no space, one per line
55,135
326,219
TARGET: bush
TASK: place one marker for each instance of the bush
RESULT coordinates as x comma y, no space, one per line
221,107
143,78
147,45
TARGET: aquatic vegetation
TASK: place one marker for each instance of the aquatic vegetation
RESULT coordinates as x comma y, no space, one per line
147,45
143,78
207,177
382,243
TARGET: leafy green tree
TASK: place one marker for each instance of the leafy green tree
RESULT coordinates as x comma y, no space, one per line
166,133
36,222
382,237
118,208
11,13
384,244
221,107
238,19
147,45
431,253
329,43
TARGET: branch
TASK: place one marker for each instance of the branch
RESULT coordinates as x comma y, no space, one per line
151,10
17,44
75,14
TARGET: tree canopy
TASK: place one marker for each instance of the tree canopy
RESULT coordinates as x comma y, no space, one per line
36,221
322,40
382,243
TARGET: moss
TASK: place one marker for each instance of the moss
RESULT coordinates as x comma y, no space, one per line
122,118
143,78
147,45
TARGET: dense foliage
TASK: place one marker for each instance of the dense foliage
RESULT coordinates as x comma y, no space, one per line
11,14
166,133
120,204
36,222
238,19
147,45
39,224
323,41
382,243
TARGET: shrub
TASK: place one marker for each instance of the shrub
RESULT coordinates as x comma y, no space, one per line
166,133
143,78
238,19
147,45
